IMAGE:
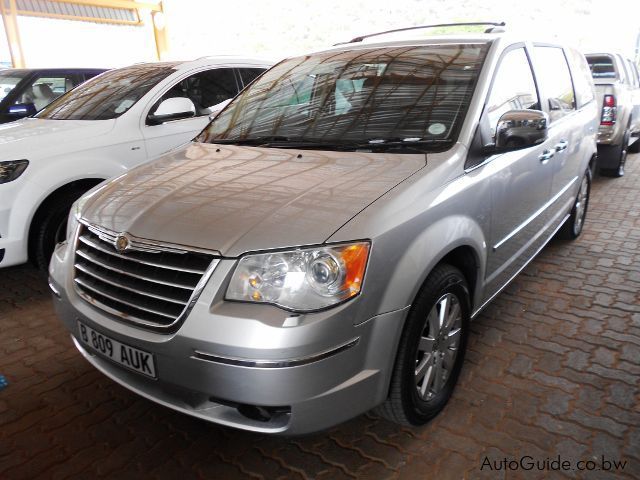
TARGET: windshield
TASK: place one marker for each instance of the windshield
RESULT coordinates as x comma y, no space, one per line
108,95
8,82
372,99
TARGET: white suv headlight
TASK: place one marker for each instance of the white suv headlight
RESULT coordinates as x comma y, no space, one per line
12,169
304,279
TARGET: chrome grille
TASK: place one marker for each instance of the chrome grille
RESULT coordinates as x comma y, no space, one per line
149,284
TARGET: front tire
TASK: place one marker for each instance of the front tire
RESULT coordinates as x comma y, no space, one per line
431,350
572,228
49,228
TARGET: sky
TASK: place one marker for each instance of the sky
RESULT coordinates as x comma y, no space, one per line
280,28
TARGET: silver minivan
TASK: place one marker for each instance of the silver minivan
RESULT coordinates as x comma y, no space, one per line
321,247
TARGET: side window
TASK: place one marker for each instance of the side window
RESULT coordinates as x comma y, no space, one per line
635,69
622,70
248,75
46,88
581,74
632,73
555,81
513,88
205,89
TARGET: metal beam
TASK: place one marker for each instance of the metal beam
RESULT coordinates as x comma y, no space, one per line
160,32
128,4
64,16
9,17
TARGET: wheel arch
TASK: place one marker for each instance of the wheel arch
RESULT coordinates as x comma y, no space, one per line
79,185
458,240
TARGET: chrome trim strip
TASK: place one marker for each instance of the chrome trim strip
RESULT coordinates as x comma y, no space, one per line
555,230
535,215
53,289
95,246
112,311
144,243
84,269
84,284
90,258
293,362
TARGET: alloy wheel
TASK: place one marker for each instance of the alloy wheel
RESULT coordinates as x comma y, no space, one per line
438,347
581,205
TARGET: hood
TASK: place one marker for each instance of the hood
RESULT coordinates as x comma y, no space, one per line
235,199
35,136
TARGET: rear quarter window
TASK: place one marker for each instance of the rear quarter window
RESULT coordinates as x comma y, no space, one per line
581,74
554,80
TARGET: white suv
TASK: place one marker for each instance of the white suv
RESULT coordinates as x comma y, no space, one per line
99,130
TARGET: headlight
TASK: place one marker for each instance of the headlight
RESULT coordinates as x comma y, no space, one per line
304,279
12,169
74,217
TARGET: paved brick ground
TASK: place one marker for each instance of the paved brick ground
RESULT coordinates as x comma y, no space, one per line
552,368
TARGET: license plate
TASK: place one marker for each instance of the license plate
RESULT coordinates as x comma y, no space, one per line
130,357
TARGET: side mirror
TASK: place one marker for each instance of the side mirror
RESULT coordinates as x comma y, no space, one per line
217,108
176,108
21,110
521,129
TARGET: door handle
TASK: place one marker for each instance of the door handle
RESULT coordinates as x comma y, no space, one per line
546,155
562,145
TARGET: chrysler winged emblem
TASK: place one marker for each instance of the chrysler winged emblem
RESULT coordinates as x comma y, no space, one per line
121,243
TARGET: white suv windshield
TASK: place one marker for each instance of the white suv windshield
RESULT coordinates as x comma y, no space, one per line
108,95
379,98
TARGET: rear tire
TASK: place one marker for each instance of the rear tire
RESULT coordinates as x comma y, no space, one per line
634,147
431,349
572,228
619,154
49,228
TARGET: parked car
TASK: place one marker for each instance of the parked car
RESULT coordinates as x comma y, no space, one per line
320,249
618,89
115,121
23,92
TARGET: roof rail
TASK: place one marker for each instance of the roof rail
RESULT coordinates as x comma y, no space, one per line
495,27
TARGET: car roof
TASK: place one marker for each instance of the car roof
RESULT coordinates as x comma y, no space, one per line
213,61
56,69
504,38
433,39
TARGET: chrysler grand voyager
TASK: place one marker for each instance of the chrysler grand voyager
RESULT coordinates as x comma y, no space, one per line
321,247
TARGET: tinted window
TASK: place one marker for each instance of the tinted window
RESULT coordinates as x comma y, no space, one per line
248,75
513,88
8,82
205,89
46,88
554,79
601,66
109,95
379,98
581,75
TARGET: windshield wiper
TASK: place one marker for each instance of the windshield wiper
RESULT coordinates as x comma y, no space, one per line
420,145
256,141
375,145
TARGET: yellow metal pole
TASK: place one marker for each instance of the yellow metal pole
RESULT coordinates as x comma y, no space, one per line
159,31
10,20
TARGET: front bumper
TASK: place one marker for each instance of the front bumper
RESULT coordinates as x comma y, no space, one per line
13,250
308,372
